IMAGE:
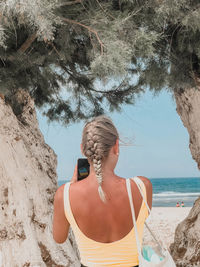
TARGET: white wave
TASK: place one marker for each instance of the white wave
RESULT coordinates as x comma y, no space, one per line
175,194
188,199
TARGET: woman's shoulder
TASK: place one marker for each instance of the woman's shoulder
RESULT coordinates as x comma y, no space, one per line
149,190
60,192
145,180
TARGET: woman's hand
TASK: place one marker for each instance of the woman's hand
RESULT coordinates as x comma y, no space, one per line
75,175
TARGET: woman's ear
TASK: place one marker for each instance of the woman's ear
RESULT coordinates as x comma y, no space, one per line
81,149
116,147
117,142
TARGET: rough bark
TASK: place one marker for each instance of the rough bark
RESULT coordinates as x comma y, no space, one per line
188,108
28,183
186,247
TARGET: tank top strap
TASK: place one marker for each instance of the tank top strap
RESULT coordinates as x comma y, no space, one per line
137,180
66,201
67,207
142,188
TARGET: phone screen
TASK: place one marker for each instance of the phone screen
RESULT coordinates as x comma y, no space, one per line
83,168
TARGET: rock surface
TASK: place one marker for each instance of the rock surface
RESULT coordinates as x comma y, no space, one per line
186,247
28,183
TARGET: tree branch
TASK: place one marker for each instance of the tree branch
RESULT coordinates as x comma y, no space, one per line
117,89
70,3
86,27
24,46
104,10
27,43
112,91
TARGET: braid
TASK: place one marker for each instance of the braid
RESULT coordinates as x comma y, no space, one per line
94,154
99,135
99,176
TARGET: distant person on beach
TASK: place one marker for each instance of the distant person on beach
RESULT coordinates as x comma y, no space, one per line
182,204
177,204
97,207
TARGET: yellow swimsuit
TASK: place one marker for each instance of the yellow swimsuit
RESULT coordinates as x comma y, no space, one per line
122,252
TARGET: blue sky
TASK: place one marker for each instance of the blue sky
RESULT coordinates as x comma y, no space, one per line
159,141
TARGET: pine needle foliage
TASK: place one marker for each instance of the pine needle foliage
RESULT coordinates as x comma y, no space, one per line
61,50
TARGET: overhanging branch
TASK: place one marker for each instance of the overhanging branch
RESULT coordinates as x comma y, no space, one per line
27,43
86,27
70,3
109,92
24,46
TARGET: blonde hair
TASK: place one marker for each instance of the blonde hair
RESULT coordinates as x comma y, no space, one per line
99,135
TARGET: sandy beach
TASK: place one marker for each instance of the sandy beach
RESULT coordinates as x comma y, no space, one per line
163,222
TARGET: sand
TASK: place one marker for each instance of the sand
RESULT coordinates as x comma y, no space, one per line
163,222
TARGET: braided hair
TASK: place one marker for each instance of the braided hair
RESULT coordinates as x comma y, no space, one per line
99,135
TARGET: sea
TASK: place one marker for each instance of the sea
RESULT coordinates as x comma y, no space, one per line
168,191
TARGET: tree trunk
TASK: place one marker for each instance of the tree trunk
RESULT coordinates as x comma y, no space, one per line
28,183
188,108
186,246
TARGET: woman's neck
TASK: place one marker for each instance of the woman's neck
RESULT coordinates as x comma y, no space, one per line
108,175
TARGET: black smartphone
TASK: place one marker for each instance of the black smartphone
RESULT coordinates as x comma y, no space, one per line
83,168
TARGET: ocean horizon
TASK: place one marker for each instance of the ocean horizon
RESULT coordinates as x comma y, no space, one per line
168,191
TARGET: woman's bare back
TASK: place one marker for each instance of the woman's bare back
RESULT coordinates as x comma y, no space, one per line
104,222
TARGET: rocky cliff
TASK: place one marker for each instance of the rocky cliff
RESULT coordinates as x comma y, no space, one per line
28,183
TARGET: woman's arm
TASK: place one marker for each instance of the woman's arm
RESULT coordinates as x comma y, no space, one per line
60,222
